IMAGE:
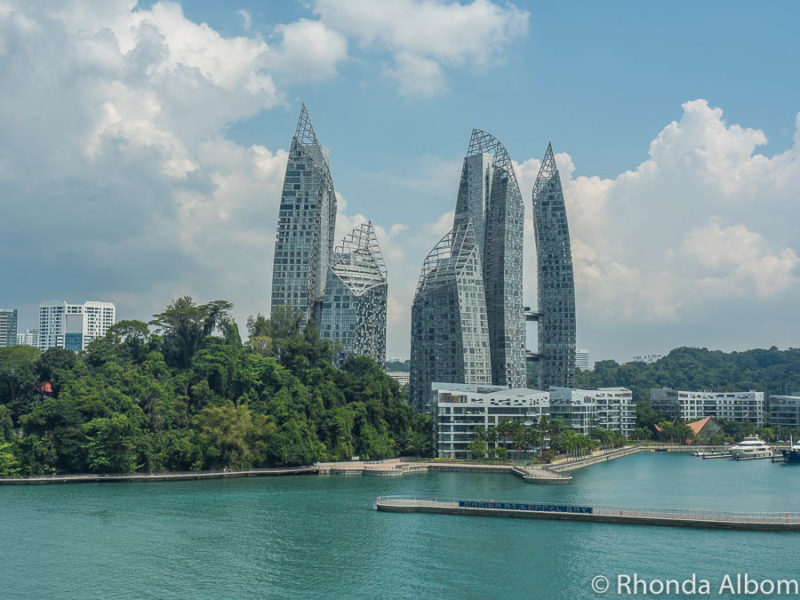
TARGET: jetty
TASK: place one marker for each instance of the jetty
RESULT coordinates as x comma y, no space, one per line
764,521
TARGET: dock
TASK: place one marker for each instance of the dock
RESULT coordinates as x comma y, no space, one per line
767,521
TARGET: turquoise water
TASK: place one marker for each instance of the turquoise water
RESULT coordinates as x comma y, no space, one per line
318,537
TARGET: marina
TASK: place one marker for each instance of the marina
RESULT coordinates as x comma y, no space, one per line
269,530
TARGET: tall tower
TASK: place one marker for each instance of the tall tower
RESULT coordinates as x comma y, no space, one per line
449,331
354,309
556,285
306,224
489,196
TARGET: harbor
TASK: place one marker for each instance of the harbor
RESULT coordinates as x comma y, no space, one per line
766,521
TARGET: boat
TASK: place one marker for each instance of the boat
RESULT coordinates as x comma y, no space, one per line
751,447
792,455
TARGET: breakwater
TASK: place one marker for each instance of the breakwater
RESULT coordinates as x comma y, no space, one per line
772,521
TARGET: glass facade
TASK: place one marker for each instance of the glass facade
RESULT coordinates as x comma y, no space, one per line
354,307
556,285
306,223
449,331
490,216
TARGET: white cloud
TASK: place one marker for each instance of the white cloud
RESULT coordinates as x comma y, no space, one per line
308,50
649,245
424,35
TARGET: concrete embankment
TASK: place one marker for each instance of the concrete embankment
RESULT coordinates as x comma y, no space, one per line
155,477
669,518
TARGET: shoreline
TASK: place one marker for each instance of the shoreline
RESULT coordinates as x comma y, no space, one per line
552,473
156,477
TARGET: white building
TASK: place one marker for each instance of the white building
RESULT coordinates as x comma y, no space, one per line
74,326
460,407
692,406
585,410
784,411
29,337
582,359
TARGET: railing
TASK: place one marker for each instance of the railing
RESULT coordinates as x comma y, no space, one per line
602,510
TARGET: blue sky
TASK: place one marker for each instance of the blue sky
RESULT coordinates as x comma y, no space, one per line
144,149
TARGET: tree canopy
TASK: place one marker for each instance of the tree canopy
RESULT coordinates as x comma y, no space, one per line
185,393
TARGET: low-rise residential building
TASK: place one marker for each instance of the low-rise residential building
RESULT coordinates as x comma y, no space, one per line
460,408
585,410
691,406
784,411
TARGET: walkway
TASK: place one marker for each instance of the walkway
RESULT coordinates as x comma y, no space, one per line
774,521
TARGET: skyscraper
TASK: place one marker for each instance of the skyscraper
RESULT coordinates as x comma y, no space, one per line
489,195
556,285
449,330
8,327
73,326
488,322
306,224
354,308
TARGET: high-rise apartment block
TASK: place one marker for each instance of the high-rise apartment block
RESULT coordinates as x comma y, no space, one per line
343,292
74,326
467,321
556,285
8,327
449,331
354,307
306,224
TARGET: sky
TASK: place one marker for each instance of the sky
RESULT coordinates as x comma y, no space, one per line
142,150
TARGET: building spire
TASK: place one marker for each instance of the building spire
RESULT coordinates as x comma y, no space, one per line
305,133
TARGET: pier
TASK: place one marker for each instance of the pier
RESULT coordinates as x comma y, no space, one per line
772,521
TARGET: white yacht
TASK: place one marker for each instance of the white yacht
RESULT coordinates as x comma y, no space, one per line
751,447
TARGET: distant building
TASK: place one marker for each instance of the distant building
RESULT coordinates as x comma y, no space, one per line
354,307
401,377
648,358
29,337
459,408
306,223
691,406
582,359
8,327
585,410
784,411
74,326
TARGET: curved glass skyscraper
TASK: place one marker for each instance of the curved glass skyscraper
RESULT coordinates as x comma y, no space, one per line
306,224
474,330
354,309
556,285
449,331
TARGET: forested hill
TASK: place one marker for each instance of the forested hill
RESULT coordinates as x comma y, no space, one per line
184,393
772,371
